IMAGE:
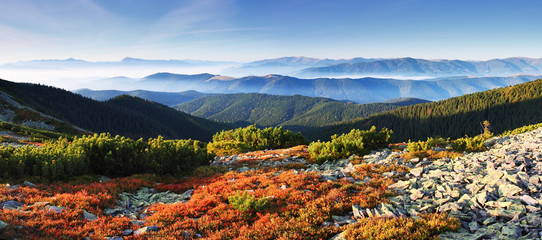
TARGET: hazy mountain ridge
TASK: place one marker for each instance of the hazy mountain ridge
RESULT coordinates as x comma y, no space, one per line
430,68
300,67
362,90
303,61
127,61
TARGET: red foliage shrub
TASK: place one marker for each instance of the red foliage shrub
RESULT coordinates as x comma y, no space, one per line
297,206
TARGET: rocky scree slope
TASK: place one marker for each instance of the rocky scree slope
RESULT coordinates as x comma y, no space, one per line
495,194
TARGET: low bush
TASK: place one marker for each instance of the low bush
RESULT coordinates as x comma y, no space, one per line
523,129
251,138
103,154
470,144
418,146
427,145
427,227
357,142
246,202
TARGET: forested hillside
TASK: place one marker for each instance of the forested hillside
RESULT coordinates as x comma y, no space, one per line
128,116
505,108
293,112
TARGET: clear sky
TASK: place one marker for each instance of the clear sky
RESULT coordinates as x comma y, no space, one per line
245,30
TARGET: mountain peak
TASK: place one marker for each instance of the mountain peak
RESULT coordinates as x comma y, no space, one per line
131,59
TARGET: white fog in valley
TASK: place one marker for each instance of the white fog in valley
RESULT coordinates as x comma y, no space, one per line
98,78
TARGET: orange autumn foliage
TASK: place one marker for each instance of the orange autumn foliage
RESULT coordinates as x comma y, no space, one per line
297,206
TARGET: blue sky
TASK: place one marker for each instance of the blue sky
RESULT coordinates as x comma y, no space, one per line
245,30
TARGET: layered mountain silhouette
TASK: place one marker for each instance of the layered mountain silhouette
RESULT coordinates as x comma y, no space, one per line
304,62
359,90
432,68
125,62
303,67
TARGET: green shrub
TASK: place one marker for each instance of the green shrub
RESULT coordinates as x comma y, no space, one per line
52,161
247,202
103,154
175,156
437,142
470,144
112,156
357,142
224,148
523,129
420,146
252,138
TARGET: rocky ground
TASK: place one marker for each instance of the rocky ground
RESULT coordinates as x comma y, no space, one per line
495,194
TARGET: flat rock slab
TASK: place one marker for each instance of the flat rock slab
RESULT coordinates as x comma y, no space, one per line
144,230
11,205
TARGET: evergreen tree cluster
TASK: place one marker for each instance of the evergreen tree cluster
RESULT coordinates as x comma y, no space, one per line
505,108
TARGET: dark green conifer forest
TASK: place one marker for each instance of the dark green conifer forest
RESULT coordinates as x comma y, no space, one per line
505,108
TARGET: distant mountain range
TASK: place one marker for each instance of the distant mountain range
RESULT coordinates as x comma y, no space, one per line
440,79
429,68
303,67
360,90
126,62
303,61
293,112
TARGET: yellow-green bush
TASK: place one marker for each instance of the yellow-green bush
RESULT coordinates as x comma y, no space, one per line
470,144
252,138
247,202
223,148
523,129
357,142
427,227
53,161
427,145
103,154
417,146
